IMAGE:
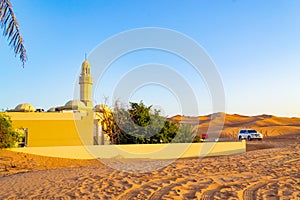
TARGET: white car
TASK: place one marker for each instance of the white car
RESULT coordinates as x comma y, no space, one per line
249,134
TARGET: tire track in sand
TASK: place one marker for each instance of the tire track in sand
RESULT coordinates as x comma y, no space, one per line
164,190
148,186
209,193
249,193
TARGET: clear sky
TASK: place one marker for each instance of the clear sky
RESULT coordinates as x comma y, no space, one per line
254,44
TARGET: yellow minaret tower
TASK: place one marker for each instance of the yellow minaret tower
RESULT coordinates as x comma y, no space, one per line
86,82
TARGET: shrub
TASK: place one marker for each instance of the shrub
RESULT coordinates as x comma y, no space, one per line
139,124
8,136
185,133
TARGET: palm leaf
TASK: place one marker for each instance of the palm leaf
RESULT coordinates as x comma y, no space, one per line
11,30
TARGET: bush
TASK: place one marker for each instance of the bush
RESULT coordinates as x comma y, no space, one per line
8,136
139,124
185,134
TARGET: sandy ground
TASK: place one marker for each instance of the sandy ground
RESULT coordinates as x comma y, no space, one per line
268,170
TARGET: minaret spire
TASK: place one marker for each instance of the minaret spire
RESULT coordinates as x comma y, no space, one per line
86,82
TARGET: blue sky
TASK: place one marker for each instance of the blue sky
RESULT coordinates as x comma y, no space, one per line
255,46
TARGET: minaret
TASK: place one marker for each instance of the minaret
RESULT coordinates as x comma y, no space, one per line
86,82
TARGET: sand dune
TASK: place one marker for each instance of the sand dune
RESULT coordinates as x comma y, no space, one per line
268,125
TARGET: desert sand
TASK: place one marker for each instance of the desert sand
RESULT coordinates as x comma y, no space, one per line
268,170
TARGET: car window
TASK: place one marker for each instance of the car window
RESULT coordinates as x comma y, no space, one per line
243,131
252,131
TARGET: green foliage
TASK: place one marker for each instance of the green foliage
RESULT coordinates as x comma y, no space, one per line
8,136
185,134
167,133
140,125
140,114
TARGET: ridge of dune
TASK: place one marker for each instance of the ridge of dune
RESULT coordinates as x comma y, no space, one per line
268,125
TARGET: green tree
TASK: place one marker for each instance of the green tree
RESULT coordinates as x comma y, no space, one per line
166,134
10,26
185,134
139,113
8,136
140,125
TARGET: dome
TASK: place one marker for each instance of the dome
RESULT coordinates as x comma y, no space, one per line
102,108
75,103
25,107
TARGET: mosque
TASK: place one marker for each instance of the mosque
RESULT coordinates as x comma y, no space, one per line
78,123
75,123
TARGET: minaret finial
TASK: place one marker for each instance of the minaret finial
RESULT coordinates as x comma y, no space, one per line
85,56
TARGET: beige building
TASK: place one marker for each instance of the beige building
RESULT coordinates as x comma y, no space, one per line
68,125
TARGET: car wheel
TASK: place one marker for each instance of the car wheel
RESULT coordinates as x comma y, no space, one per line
240,138
249,138
259,139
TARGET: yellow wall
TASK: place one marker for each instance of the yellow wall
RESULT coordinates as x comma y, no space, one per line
55,129
168,151
150,151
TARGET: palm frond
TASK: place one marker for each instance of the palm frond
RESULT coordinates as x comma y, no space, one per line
11,30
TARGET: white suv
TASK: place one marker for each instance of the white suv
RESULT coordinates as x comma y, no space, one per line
249,134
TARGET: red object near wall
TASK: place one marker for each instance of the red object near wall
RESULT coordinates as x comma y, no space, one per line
204,136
